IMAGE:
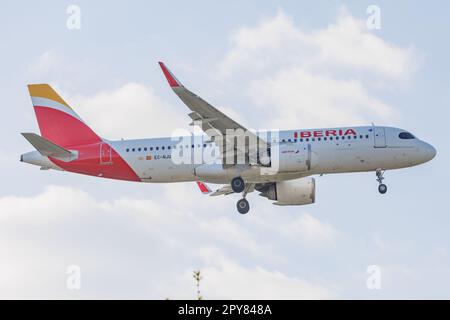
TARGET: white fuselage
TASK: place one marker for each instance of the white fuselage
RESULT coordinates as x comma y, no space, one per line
365,148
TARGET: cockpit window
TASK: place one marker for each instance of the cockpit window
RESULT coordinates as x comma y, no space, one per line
405,135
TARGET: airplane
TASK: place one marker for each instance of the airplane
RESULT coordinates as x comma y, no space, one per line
277,164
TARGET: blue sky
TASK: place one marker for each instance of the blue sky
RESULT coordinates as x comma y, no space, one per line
285,64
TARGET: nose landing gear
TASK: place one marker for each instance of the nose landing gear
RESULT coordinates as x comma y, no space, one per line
382,188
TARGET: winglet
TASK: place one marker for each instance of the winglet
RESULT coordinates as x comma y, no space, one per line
203,187
173,81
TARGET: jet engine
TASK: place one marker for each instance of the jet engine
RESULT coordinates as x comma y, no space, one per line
293,192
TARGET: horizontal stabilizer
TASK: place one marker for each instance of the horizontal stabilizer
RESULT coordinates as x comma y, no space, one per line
48,148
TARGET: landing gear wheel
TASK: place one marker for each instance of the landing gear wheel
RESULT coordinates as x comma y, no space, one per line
382,188
243,206
238,184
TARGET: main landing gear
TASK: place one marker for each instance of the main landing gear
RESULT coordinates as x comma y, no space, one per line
238,185
382,188
243,206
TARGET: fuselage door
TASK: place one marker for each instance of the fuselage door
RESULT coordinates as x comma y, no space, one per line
379,137
105,153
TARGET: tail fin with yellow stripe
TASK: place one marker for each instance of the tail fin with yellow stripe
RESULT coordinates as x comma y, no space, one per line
57,121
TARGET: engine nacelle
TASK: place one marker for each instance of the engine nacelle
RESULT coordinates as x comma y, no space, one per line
293,192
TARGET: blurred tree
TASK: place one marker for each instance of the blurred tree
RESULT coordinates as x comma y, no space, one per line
198,277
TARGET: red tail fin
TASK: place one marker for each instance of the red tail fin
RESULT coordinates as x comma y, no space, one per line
57,121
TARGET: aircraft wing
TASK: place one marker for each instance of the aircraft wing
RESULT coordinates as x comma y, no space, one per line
212,121
203,187
225,190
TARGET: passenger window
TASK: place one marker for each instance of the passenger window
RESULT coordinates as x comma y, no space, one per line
157,148
151,148
361,136
139,149
337,138
132,149
162,148
145,149
301,140
405,135
168,147
325,139
128,150
307,139
367,136
319,139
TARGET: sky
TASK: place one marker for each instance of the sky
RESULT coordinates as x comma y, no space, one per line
266,64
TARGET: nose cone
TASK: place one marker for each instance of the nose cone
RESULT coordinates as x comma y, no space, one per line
429,152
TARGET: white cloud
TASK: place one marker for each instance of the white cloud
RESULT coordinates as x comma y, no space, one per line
295,98
312,230
262,48
131,111
299,228
226,280
131,247
348,43
325,77
277,42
